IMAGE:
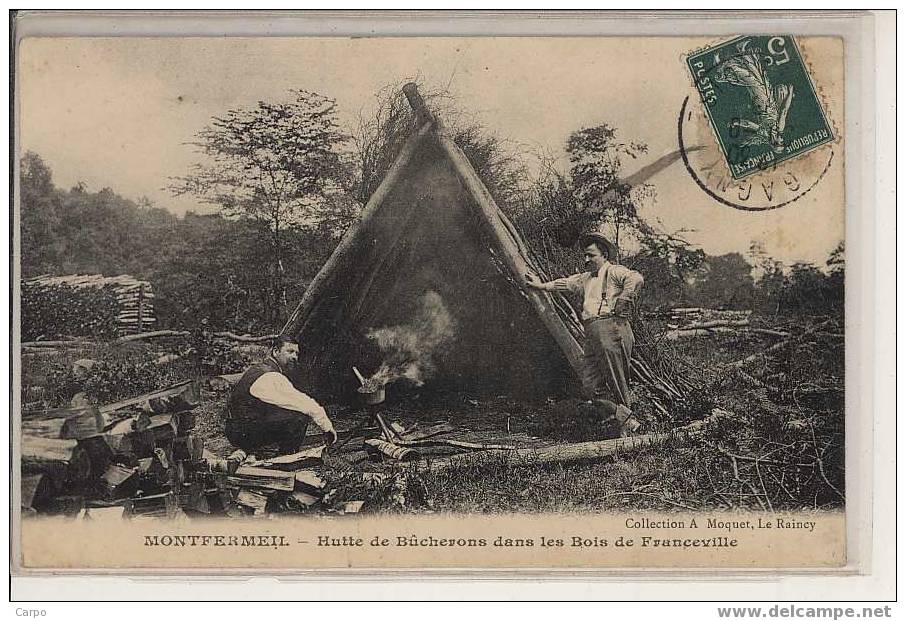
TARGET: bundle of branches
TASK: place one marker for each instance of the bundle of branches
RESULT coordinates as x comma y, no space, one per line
675,390
786,447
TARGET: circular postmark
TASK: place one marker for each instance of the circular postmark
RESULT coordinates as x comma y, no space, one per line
754,135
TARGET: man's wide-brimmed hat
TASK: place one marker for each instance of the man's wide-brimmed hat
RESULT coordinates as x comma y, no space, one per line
594,237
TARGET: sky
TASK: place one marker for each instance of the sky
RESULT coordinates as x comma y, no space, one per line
119,112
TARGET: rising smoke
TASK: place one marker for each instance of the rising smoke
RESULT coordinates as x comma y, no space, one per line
409,349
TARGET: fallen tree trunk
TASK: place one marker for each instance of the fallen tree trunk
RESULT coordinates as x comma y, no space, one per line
778,333
472,446
566,453
675,335
54,344
246,338
717,323
686,311
150,335
680,333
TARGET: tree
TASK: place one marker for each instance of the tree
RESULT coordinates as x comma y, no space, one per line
39,217
836,273
726,282
669,264
596,157
381,133
275,164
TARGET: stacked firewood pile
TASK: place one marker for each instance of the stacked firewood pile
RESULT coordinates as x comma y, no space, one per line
686,322
92,305
140,457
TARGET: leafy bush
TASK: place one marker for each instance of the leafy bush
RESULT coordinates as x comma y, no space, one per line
112,381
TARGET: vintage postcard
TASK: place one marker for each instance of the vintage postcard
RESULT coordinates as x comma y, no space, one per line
443,303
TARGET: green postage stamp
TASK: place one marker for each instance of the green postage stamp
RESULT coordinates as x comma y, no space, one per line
760,100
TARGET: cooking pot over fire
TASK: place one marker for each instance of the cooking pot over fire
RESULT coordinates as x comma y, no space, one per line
371,390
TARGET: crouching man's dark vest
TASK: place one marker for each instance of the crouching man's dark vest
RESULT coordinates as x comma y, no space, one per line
243,405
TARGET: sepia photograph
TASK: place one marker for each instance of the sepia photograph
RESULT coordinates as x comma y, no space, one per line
430,302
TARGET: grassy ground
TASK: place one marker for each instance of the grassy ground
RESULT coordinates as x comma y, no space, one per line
782,448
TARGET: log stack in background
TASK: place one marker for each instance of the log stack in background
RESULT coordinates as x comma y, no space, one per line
85,305
690,322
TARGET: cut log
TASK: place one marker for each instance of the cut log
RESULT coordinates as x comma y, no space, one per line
65,505
293,461
190,493
309,482
62,459
190,447
105,514
305,500
393,451
54,413
353,506
224,382
88,423
187,392
119,481
160,432
38,491
228,465
101,450
157,505
568,453
248,476
218,501
252,502
185,422
136,421
44,428
181,401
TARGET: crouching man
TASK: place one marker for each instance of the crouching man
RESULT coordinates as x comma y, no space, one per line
265,408
608,291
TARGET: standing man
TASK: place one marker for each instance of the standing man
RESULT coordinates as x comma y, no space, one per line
608,291
265,407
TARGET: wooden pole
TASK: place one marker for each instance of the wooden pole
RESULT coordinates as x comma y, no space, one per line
515,262
141,305
566,453
351,239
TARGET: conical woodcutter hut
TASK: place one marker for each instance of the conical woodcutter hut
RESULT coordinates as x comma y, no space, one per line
432,228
